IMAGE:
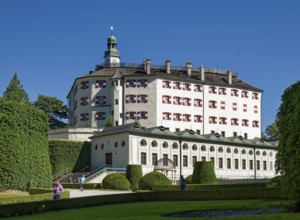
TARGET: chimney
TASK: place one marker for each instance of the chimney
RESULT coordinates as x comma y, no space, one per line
168,66
202,73
189,68
229,77
148,65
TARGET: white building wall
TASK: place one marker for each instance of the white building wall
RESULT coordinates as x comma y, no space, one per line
116,145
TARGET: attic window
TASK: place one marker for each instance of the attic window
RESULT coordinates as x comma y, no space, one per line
143,143
175,145
165,144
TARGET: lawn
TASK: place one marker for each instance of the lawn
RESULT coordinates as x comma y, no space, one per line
158,210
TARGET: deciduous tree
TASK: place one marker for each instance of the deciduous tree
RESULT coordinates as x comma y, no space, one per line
288,155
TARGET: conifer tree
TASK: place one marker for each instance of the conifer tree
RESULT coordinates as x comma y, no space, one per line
15,91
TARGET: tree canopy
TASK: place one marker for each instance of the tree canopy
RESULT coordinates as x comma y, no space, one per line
57,112
15,92
272,132
288,159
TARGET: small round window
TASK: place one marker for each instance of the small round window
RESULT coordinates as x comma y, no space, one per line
257,153
165,144
228,150
271,154
154,143
220,150
212,149
203,148
250,152
185,146
243,151
143,143
264,153
194,147
236,151
175,145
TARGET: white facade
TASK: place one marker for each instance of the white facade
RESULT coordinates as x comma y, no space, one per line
233,158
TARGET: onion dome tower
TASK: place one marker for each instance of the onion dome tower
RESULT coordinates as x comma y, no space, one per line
111,54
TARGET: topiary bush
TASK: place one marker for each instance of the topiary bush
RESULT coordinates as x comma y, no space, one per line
74,155
153,179
23,147
134,174
116,181
204,173
188,179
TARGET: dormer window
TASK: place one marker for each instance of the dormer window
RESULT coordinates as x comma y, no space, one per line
234,92
212,90
254,95
84,84
198,88
222,91
187,86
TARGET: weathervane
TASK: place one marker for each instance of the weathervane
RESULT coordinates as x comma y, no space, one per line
111,30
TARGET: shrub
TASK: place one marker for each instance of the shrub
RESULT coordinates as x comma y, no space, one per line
153,179
74,155
115,181
23,147
204,173
275,182
188,179
134,174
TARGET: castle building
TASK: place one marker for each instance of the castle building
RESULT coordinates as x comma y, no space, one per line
175,115
178,98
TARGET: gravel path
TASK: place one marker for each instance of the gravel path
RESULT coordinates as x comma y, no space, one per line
75,193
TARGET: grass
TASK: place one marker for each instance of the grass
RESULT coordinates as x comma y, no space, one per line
159,210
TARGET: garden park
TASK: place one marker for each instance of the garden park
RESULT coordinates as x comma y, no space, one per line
29,161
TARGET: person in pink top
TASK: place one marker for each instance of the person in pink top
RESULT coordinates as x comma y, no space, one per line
57,190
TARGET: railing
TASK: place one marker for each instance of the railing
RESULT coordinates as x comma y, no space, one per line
61,174
160,67
101,170
74,176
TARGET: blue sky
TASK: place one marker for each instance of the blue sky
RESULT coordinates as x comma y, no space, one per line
50,43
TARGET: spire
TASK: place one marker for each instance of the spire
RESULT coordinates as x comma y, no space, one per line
111,54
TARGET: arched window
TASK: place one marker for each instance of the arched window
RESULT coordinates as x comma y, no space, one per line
185,146
212,149
96,147
257,153
236,151
244,151
116,144
123,143
228,150
102,146
264,153
220,149
203,148
250,152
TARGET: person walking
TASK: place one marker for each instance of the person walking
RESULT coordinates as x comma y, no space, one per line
81,182
182,183
57,190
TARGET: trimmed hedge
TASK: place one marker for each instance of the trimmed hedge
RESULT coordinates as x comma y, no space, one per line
86,185
23,147
201,187
38,207
74,155
153,179
35,195
188,179
116,181
204,173
134,174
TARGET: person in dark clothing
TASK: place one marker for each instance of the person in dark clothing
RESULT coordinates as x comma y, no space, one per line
182,183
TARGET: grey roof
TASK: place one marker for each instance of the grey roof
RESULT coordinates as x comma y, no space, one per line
211,78
134,128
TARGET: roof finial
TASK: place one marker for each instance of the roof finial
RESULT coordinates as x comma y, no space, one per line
111,30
